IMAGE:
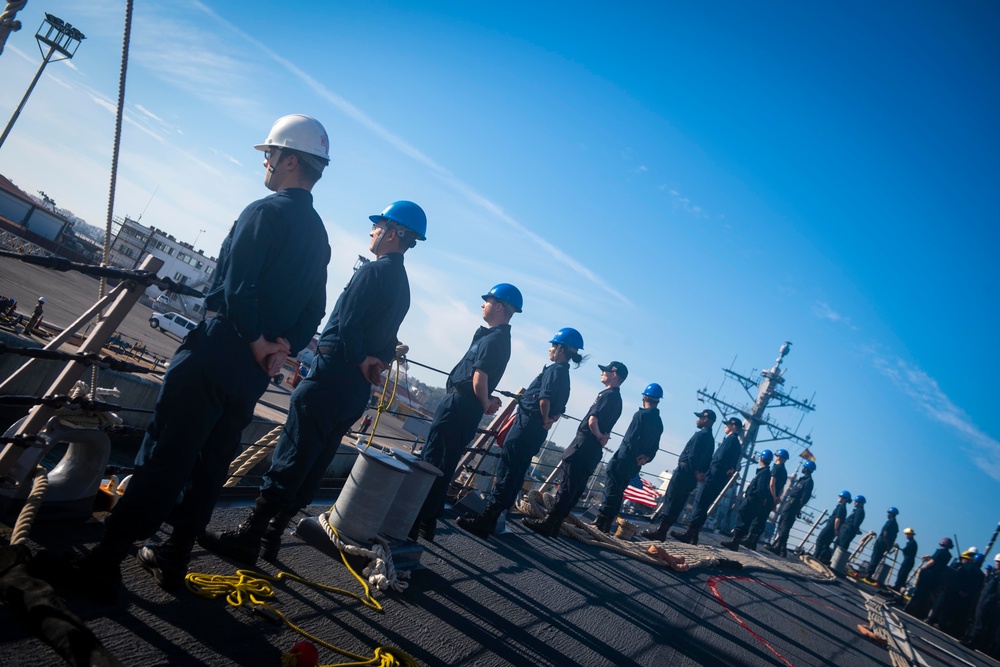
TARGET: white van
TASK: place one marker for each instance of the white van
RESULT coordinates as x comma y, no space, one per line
173,323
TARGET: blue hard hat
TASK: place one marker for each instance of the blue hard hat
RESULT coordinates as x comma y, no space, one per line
810,466
845,494
508,294
783,453
766,455
860,499
653,390
979,558
405,214
569,337
893,511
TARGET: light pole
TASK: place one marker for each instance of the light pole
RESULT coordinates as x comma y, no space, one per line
194,245
60,37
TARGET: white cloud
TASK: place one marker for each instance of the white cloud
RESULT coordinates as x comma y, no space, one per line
149,113
824,311
982,449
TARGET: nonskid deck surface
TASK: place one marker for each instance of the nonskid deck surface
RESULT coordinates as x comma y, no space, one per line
517,599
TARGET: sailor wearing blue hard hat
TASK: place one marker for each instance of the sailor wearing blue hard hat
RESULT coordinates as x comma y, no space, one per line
585,451
639,446
779,475
470,386
794,499
357,344
850,528
756,496
884,542
823,550
541,405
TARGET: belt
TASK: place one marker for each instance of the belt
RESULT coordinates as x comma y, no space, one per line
325,349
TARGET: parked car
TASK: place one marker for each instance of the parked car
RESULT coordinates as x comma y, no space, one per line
173,323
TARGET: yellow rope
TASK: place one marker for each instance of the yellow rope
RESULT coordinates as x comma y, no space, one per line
251,588
382,405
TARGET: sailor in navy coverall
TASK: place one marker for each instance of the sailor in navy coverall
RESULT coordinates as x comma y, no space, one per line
794,500
779,476
543,402
692,465
831,529
756,495
909,557
850,528
929,576
885,541
723,466
268,294
471,384
639,446
584,452
356,346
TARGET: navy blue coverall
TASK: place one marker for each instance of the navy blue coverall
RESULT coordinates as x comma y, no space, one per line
726,458
851,527
271,282
641,439
927,583
695,458
829,532
909,556
798,495
527,434
333,396
754,497
780,475
886,538
459,414
584,452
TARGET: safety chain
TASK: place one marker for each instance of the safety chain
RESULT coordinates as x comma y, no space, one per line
69,402
23,440
142,277
88,359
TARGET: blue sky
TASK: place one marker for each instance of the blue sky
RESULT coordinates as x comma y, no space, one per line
684,184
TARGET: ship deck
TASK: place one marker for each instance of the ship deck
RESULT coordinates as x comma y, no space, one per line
517,599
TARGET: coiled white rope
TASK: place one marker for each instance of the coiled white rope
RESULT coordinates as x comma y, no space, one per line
381,572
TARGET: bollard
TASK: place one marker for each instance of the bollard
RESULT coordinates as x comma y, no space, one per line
73,482
411,496
367,496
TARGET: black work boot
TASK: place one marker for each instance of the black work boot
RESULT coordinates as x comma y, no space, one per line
427,529
168,562
546,527
689,536
733,544
603,523
270,543
242,543
659,533
482,525
751,541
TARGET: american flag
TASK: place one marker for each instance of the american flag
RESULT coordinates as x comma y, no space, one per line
641,492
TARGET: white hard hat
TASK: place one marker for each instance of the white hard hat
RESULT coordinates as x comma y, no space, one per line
300,133
41,299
